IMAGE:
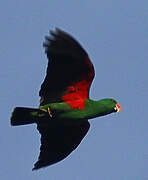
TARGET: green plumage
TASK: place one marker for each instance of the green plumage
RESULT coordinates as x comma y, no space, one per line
91,109
65,107
62,111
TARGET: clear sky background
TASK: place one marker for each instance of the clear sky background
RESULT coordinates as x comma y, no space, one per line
115,34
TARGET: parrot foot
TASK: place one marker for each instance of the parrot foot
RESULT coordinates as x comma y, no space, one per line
49,112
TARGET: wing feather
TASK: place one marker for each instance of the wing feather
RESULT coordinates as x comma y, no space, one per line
58,141
68,66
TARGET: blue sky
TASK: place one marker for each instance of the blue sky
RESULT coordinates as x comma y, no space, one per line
114,33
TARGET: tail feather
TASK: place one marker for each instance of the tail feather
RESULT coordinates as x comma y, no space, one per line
22,116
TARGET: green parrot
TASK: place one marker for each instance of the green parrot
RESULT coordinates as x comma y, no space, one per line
65,106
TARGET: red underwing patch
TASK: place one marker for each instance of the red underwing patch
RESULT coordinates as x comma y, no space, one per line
77,92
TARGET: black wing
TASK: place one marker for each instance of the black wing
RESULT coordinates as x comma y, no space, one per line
58,141
68,63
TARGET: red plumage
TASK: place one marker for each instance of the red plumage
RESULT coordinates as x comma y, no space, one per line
69,73
78,91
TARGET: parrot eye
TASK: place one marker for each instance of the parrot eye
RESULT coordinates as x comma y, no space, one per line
111,100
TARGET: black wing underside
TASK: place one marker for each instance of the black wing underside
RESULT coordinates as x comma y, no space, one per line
67,63
58,141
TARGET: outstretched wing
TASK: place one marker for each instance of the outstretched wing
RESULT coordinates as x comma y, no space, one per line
58,141
69,72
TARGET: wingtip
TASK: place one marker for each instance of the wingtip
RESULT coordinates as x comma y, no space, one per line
34,169
58,30
37,165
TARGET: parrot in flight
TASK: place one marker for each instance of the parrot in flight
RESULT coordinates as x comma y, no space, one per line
65,107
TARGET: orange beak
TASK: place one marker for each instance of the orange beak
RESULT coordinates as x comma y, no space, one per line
117,107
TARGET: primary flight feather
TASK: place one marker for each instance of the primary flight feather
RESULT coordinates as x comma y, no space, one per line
65,106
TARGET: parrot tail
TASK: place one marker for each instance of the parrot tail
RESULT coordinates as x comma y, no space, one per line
23,116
